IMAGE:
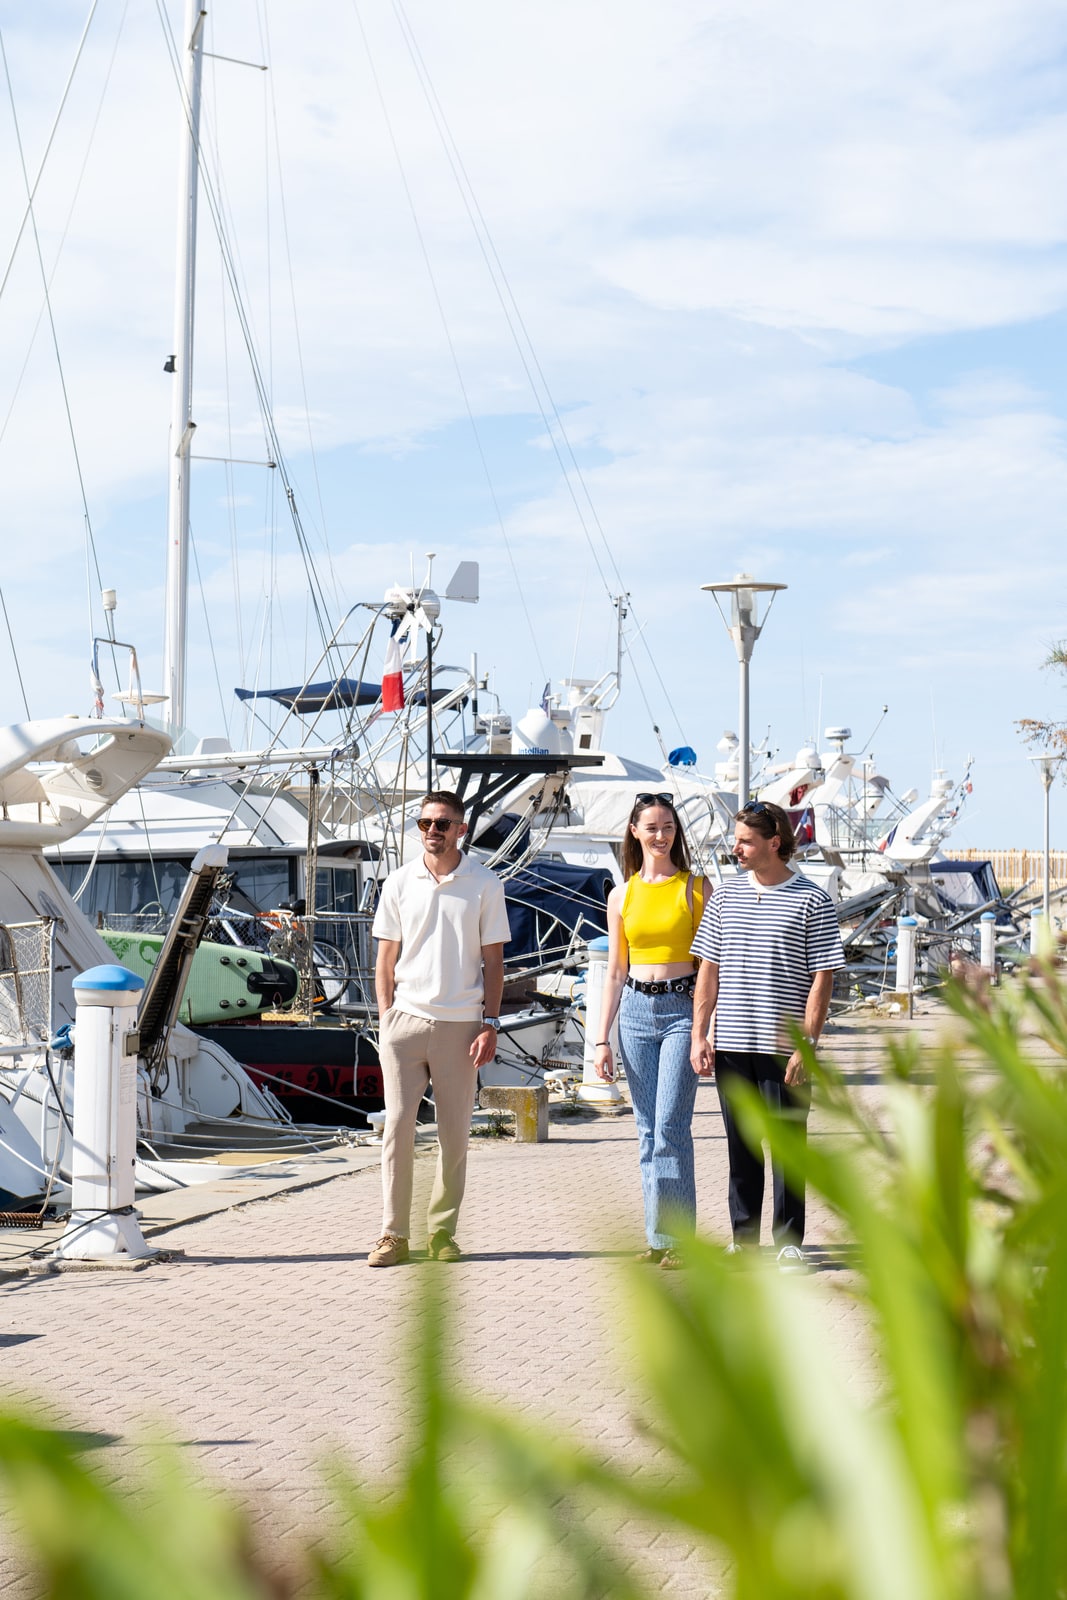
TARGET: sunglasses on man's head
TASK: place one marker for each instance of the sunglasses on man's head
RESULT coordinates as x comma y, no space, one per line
759,808
654,800
436,824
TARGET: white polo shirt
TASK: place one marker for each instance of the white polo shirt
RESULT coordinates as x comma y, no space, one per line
441,928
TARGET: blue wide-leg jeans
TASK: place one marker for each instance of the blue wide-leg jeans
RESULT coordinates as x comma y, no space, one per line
655,1031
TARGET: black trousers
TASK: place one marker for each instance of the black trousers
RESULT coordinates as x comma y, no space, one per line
766,1073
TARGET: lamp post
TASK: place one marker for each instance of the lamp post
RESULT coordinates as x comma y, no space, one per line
744,627
1047,763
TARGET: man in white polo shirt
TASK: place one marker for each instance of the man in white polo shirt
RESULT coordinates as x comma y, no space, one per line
441,926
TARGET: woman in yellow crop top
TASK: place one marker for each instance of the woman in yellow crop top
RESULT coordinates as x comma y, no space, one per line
652,920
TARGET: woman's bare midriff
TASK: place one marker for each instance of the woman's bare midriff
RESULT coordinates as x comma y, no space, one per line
662,971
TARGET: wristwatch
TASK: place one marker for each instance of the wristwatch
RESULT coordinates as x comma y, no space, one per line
491,1022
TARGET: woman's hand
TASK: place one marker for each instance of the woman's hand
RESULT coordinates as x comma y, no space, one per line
604,1063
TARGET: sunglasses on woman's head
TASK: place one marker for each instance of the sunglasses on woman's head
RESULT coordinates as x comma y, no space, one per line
654,800
436,824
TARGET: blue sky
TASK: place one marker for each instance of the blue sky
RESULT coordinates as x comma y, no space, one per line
796,278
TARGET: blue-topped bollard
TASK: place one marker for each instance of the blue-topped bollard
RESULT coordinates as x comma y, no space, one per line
1039,939
593,1089
103,1224
987,942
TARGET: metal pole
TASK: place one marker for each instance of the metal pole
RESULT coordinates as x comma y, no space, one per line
1045,894
743,740
429,709
311,883
181,423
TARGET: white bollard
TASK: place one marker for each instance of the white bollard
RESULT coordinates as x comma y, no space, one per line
987,942
906,934
1038,934
103,1225
593,1089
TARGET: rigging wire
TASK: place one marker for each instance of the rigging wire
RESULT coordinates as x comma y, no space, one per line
523,342
435,290
90,548
14,655
263,19
26,215
207,620
277,454
89,142
499,279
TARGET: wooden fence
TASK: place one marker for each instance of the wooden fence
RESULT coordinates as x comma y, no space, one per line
1013,868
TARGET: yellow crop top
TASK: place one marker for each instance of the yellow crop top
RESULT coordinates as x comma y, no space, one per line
657,921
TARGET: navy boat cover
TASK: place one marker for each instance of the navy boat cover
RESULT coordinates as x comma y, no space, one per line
964,885
546,901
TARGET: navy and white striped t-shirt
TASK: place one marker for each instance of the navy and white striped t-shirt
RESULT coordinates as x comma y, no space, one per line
767,944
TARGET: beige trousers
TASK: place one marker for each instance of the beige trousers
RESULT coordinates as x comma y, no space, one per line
414,1052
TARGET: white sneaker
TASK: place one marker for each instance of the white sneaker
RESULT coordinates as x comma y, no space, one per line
733,1248
791,1258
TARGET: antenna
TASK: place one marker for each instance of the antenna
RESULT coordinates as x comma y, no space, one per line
867,742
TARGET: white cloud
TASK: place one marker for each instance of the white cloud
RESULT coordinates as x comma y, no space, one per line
702,214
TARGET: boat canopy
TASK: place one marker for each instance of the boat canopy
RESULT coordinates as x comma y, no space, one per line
549,900
967,885
328,696
337,695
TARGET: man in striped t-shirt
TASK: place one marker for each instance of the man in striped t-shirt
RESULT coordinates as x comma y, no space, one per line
768,944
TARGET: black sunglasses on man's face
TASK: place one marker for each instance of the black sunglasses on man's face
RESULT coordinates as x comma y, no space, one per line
436,824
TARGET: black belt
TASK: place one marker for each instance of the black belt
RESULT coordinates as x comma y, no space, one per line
664,985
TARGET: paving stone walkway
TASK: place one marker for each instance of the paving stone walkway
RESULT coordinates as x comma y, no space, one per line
270,1344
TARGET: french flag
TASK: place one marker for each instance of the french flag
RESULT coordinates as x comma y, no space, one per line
393,673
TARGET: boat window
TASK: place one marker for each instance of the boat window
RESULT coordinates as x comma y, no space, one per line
336,889
122,888
263,884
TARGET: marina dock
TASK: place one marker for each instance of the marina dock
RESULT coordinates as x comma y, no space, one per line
267,1345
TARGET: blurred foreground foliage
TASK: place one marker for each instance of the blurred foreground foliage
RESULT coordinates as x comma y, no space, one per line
951,1190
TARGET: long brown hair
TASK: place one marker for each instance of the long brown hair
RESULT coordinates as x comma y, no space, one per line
632,854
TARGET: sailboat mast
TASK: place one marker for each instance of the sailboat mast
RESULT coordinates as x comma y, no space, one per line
182,425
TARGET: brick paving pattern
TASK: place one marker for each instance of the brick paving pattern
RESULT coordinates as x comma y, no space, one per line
271,1344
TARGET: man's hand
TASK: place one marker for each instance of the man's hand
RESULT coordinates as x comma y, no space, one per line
484,1047
795,1074
702,1057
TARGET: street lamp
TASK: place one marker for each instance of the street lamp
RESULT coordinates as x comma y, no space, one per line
744,627
1047,763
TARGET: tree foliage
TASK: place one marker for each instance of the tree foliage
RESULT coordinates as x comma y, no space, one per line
1049,734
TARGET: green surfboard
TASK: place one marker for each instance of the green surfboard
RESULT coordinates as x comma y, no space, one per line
226,983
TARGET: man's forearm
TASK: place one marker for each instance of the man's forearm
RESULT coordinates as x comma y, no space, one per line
385,974
818,1004
492,979
705,998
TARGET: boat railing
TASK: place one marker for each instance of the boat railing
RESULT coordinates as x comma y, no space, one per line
26,990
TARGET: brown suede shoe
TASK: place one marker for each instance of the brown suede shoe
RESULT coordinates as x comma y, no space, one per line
443,1247
651,1257
390,1251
